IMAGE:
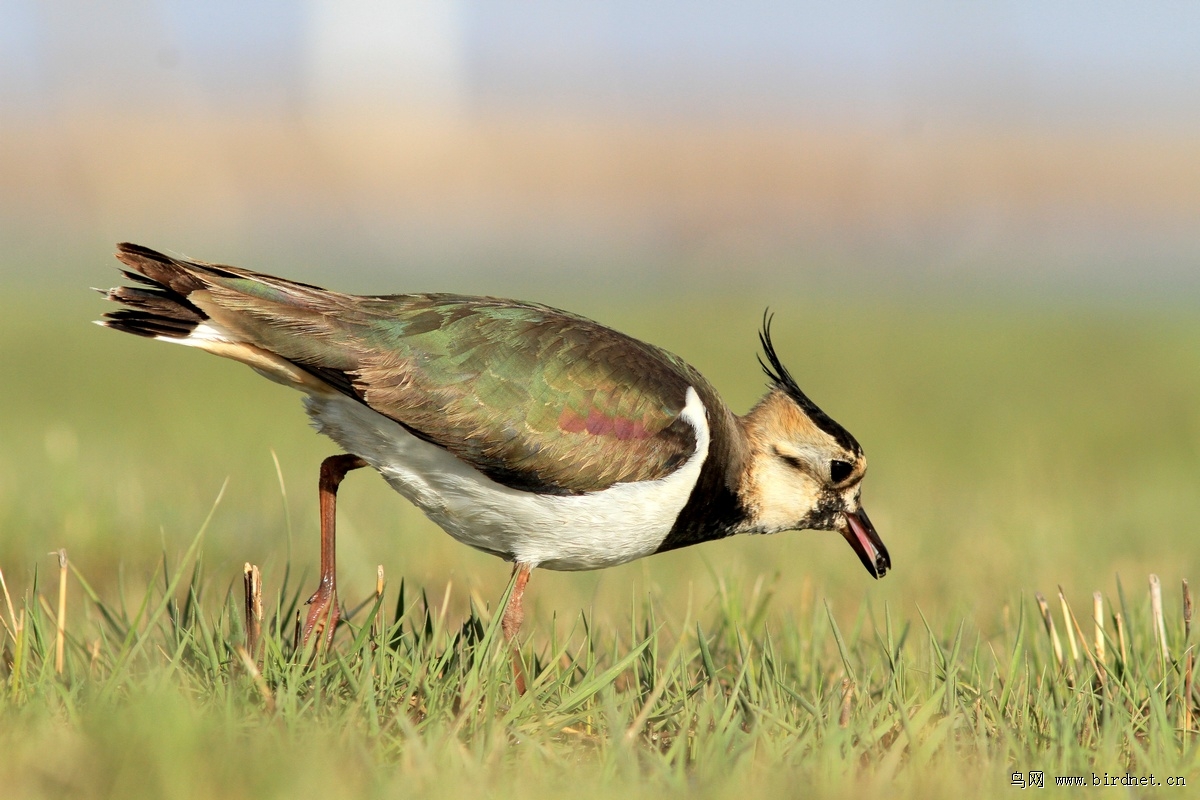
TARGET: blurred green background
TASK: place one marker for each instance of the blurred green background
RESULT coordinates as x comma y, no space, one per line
976,226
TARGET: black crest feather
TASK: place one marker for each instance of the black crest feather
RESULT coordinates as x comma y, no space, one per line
782,379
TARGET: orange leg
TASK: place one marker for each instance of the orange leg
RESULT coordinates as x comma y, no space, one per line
323,608
514,615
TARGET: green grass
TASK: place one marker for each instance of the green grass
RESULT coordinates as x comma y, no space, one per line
1011,452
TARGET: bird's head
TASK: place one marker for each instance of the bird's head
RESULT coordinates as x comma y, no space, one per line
804,470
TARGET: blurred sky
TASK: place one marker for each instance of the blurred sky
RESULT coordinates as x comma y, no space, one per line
1024,144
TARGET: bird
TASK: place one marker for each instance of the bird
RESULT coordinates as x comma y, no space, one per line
524,431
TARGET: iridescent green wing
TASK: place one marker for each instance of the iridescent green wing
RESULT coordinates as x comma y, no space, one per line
532,397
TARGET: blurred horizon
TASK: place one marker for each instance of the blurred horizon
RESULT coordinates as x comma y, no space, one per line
1023,148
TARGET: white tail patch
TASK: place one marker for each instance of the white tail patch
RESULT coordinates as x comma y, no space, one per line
213,338
202,336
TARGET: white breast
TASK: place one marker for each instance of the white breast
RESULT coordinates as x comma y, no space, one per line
573,532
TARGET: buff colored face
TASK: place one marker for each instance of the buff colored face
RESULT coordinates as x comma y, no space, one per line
799,476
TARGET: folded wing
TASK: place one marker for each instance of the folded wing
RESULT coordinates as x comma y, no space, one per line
533,397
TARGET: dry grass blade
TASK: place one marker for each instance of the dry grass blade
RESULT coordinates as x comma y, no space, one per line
1098,619
847,703
1044,607
255,674
12,613
1156,608
377,626
60,627
14,658
1187,612
1073,624
1067,620
1189,666
252,582
93,656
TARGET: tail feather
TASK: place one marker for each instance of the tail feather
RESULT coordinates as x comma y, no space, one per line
164,308
142,323
235,313
162,270
157,301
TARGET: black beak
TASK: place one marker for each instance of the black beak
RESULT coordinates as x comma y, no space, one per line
861,535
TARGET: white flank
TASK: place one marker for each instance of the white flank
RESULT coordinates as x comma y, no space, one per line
572,532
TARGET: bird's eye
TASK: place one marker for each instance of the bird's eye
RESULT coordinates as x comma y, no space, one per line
840,470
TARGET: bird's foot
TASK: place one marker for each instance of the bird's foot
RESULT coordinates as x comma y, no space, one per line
322,617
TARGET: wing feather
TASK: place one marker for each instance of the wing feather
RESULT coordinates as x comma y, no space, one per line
534,397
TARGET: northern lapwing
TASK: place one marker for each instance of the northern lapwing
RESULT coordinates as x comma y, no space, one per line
530,433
